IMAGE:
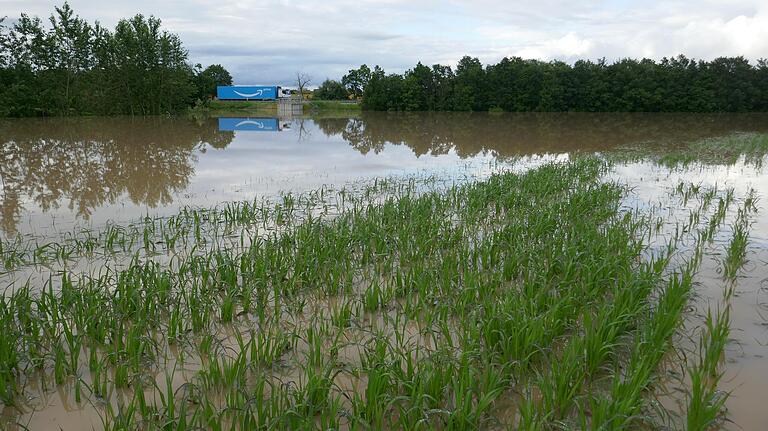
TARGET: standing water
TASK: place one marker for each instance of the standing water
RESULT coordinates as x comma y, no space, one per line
59,177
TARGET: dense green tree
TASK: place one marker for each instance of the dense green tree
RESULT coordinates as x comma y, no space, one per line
557,88
356,80
469,91
71,67
383,92
418,89
151,64
738,92
443,79
331,90
4,54
206,80
727,84
762,85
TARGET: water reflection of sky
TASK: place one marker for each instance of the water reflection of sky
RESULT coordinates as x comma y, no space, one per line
651,181
253,163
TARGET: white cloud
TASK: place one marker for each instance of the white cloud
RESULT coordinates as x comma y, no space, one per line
746,35
568,46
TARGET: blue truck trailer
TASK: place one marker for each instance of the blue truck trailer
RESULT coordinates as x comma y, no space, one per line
232,124
251,92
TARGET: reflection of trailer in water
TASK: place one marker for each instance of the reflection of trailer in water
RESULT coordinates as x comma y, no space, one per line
254,124
252,92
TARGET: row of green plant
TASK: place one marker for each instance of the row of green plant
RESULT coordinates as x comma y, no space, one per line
706,401
199,228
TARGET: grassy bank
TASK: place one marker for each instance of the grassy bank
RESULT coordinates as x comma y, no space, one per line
321,106
331,106
235,106
397,306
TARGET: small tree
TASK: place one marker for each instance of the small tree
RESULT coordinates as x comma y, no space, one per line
356,80
207,80
331,90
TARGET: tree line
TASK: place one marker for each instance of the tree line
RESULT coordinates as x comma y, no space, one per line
679,84
73,67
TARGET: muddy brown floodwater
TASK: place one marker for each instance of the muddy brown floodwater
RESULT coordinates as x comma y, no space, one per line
62,174
58,172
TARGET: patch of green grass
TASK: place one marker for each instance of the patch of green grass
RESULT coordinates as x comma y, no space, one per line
332,106
239,105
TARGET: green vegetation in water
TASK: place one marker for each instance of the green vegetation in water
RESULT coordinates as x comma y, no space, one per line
705,401
724,150
392,307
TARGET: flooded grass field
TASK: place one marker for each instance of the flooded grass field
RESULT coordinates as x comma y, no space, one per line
385,271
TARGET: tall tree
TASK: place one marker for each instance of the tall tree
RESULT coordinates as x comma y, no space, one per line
357,79
70,67
469,88
71,55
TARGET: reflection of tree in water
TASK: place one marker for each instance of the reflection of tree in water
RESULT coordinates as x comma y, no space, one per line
94,161
354,131
507,135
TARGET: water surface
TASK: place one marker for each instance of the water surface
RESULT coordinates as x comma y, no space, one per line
59,172
56,174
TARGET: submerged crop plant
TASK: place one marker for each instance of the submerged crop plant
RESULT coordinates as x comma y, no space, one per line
400,305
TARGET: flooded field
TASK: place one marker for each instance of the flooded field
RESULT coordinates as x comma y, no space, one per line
90,170
395,271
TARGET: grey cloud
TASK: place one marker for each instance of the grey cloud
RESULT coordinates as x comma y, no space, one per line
246,51
372,36
327,38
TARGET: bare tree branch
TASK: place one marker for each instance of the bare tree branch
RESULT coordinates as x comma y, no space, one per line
302,81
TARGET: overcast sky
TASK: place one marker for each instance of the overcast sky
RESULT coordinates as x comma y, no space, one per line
268,41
